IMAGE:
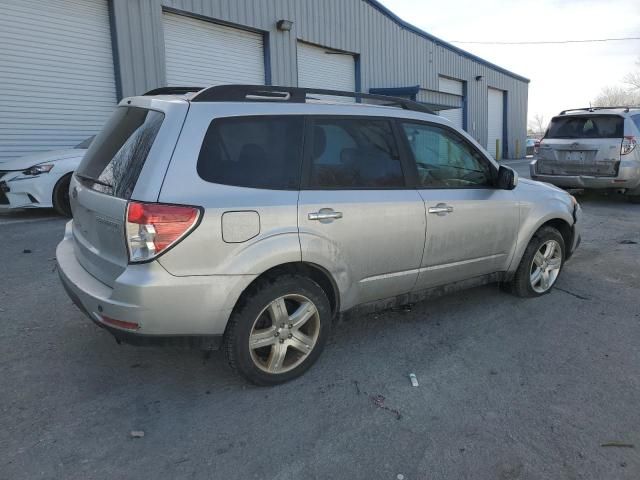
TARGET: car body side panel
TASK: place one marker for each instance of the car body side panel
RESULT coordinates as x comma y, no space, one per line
205,251
374,250
477,237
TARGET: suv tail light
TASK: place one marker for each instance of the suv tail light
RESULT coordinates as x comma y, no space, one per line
628,144
153,228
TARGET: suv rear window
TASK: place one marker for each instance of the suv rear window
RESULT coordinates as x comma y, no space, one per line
256,152
587,126
117,154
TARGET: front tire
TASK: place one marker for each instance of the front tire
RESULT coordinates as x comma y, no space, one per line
541,264
61,202
278,330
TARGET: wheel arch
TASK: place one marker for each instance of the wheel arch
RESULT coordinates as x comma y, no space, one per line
558,222
64,177
310,270
563,227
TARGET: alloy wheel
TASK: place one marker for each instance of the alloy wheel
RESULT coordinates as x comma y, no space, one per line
545,266
284,334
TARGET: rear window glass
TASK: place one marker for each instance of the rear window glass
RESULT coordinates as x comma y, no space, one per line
588,126
256,152
636,120
117,154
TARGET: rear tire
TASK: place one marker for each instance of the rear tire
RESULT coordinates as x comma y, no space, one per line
61,196
541,264
278,329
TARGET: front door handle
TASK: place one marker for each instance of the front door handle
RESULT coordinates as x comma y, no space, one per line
325,215
441,209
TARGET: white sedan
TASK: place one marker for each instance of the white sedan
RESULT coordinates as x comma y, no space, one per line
40,180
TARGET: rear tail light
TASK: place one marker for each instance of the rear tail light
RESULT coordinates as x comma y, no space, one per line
628,144
153,228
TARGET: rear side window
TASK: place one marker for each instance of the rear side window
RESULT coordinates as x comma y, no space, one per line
348,153
257,152
117,154
588,126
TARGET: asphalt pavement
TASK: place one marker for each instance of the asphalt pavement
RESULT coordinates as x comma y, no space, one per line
508,388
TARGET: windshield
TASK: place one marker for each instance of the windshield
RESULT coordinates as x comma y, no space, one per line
85,143
587,126
116,156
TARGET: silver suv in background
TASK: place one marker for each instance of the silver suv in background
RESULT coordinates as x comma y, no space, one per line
592,148
250,217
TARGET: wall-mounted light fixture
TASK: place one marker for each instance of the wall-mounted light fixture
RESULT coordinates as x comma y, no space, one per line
478,78
284,25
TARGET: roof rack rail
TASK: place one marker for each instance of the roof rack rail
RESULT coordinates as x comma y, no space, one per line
593,109
262,93
172,91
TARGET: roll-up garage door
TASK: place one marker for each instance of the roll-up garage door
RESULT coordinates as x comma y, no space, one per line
320,67
57,85
495,120
456,87
201,53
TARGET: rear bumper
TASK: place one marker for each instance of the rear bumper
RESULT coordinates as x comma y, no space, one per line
628,178
167,309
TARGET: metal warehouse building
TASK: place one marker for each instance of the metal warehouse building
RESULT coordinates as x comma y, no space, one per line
64,64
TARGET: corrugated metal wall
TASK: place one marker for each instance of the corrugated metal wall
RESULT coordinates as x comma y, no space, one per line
390,54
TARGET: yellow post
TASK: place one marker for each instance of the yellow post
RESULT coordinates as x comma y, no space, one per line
517,148
497,149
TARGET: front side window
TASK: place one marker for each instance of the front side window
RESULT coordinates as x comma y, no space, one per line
444,159
587,126
354,153
256,152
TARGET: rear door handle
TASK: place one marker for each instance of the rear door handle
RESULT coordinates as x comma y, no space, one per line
325,214
441,209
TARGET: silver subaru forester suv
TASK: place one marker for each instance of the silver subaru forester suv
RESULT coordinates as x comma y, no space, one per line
251,217
592,148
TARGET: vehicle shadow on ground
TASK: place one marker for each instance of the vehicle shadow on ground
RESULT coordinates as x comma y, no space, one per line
360,347
601,198
27,214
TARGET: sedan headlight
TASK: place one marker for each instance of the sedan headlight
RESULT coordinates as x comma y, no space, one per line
38,169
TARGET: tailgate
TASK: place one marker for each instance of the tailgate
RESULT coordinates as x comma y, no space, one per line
582,145
98,232
102,186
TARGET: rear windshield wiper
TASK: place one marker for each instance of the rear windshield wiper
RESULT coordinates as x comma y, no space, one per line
94,180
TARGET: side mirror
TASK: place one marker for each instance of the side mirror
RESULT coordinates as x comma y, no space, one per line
507,178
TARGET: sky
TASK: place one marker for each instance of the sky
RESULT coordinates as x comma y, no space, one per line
562,76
